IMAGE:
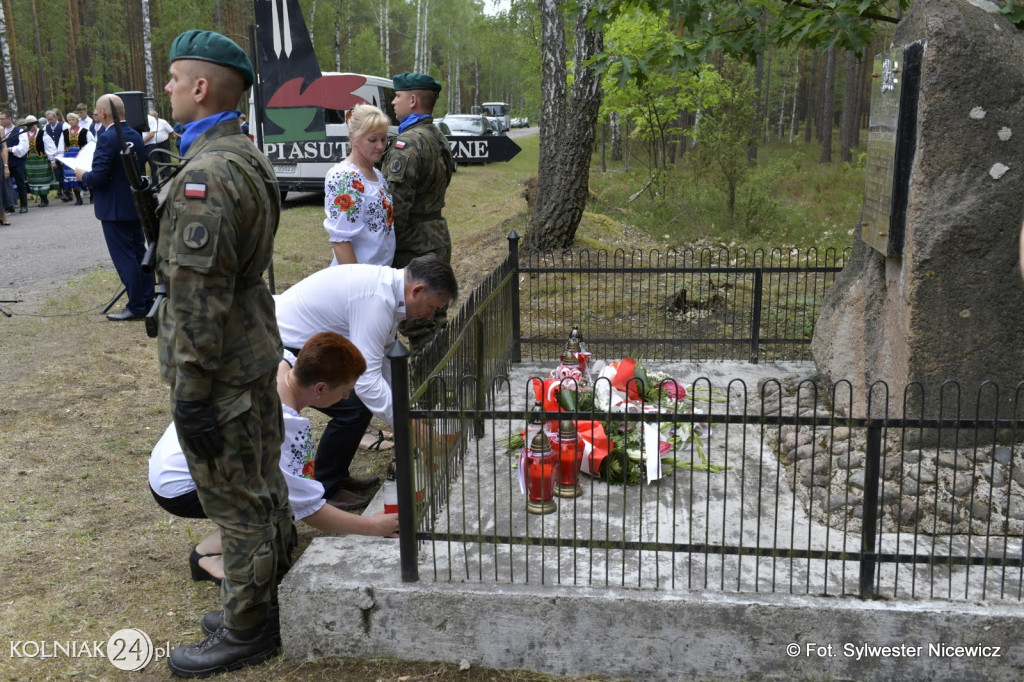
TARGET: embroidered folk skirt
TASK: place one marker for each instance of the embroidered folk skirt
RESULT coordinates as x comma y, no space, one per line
39,174
70,179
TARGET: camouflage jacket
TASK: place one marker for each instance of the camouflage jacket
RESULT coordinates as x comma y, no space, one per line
418,166
217,226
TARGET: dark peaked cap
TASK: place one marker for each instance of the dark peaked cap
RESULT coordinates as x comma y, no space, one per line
415,81
208,46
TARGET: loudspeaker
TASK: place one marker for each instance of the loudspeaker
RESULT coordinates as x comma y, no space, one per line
135,113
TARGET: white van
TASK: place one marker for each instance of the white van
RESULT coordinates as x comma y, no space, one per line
301,154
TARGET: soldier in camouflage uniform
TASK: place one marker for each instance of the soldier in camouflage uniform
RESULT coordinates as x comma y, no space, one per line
219,347
418,166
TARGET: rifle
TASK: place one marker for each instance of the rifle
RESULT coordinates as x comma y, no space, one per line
144,193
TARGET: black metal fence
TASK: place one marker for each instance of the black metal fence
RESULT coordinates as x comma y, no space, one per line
782,486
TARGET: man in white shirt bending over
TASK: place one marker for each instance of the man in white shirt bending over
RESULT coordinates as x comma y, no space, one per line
363,303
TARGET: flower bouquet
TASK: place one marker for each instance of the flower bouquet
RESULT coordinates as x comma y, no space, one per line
625,451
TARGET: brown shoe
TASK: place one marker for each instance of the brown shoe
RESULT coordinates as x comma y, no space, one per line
358,483
346,500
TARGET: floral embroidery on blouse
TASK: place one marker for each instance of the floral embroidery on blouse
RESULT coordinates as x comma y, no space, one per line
349,192
300,453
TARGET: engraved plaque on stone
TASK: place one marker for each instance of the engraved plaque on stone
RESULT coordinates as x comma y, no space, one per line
892,136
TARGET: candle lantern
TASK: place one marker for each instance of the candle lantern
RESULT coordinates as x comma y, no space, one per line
575,335
541,474
577,357
570,457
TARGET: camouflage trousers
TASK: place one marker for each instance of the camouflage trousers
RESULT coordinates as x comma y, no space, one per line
243,491
423,238
419,239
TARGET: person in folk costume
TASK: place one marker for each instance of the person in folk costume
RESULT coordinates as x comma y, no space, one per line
37,167
75,137
53,142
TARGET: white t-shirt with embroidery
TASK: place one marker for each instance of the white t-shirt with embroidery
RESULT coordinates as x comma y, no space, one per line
359,211
169,476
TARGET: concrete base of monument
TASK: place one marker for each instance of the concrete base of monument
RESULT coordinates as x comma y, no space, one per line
345,598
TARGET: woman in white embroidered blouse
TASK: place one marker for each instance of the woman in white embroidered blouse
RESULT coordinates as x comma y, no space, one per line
357,201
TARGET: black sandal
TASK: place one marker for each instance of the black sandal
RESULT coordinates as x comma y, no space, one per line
198,572
381,439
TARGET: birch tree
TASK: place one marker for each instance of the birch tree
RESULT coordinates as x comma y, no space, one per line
12,99
147,49
567,129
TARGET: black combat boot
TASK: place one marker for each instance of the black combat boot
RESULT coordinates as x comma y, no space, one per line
78,197
222,651
214,620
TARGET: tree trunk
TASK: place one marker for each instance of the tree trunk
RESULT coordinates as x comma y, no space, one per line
337,37
12,98
850,114
311,24
458,86
416,40
828,105
766,91
782,107
792,117
684,123
567,132
810,103
759,74
147,50
616,134
552,106
425,50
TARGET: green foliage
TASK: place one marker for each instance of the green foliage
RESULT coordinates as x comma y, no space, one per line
739,28
651,105
1014,11
365,55
723,132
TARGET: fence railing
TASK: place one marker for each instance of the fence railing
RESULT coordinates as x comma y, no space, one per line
785,488
695,304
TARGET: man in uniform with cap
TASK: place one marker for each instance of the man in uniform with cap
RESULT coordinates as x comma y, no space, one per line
219,347
418,166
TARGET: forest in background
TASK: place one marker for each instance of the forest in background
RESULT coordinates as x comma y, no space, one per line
684,92
60,52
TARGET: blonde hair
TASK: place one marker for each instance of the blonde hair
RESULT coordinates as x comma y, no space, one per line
365,119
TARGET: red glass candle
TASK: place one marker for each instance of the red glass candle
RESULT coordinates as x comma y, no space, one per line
570,457
541,474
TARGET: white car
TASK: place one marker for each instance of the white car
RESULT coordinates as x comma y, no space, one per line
474,125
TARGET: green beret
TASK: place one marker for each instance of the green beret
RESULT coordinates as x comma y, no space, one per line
415,81
208,46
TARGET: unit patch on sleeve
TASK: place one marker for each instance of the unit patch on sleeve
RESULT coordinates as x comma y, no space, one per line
195,190
195,235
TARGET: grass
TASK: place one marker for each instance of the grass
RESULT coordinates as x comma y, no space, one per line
789,200
86,551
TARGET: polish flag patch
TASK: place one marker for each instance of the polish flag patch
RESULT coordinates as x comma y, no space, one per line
195,190
400,144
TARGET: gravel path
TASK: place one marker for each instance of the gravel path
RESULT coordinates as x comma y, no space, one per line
45,248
